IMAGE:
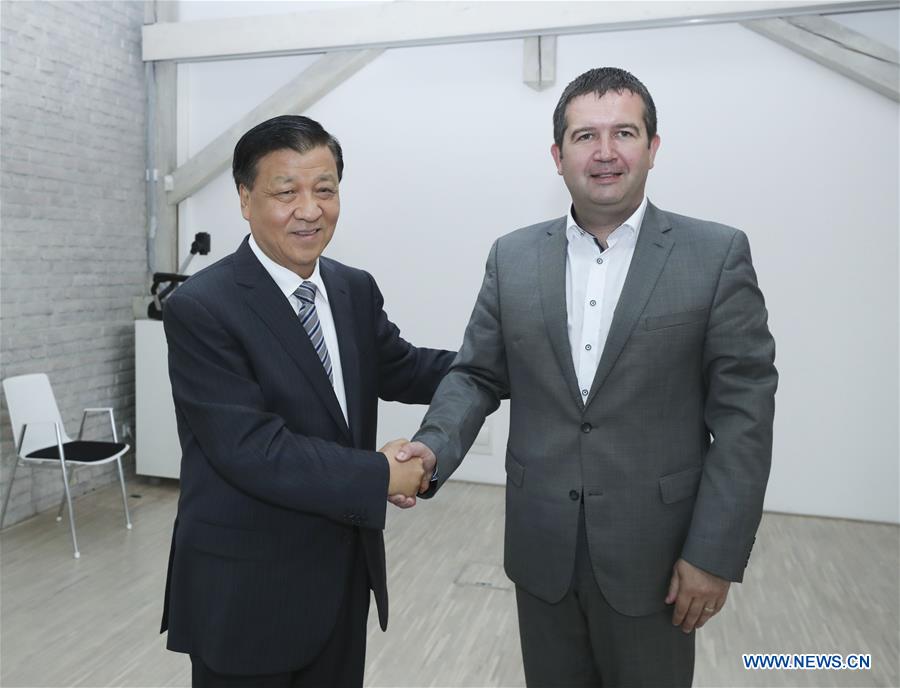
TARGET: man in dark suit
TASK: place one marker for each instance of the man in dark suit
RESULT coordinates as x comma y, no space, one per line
634,346
277,358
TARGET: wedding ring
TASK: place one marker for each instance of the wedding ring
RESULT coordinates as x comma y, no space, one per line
709,609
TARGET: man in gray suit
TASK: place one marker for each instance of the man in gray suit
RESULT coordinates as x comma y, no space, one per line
633,345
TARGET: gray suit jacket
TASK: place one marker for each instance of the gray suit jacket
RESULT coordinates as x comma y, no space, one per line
671,449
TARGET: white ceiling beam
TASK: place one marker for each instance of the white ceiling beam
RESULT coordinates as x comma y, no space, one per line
392,24
539,61
841,34
294,97
837,47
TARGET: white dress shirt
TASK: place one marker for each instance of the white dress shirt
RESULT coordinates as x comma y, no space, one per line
594,280
288,282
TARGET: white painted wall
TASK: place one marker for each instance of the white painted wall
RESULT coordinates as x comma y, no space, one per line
446,149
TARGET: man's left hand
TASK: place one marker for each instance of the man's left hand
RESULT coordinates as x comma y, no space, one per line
697,595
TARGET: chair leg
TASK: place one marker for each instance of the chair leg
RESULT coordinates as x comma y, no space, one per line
62,500
8,491
124,496
71,511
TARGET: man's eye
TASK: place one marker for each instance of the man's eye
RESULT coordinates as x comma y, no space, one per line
626,133
584,137
290,192
327,192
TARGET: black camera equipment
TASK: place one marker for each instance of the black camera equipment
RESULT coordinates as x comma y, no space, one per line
164,283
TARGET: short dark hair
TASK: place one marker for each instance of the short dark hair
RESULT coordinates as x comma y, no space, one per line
600,81
296,132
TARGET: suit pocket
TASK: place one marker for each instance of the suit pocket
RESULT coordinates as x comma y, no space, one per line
676,487
232,543
658,322
514,470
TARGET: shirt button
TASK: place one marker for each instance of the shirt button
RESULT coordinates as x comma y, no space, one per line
573,495
584,392
593,303
599,261
587,347
586,427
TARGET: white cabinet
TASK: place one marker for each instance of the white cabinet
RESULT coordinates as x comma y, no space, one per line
158,449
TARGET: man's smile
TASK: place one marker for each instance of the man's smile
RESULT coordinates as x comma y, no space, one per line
306,233
606,177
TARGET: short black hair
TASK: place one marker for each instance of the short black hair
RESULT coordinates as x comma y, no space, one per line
600,81
296,132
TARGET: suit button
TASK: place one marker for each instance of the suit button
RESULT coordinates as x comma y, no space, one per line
586,427
573,495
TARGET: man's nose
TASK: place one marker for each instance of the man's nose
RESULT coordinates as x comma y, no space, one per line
307,209
605,149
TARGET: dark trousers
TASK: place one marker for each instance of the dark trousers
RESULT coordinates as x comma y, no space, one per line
341,662
582,641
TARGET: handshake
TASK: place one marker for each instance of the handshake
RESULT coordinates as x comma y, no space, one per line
412,466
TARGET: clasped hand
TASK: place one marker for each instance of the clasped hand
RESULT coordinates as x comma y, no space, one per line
407,474
407,458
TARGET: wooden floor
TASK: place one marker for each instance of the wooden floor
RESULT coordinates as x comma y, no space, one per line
814,585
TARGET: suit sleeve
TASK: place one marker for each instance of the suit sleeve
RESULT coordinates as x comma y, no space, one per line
477,381
740,377
223,415
406,373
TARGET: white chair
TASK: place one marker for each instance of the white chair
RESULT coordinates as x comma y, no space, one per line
41,440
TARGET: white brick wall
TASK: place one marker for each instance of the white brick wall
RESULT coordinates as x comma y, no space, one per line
72,217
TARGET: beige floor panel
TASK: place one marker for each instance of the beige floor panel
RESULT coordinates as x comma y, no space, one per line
814,585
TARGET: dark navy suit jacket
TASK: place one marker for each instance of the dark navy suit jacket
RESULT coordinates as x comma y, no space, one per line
274,483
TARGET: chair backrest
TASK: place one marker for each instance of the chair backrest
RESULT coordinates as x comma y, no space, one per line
30,400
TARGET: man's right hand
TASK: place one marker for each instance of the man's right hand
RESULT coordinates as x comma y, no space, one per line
406,476
417,450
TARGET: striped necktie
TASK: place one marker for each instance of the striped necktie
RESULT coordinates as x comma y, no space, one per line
306,293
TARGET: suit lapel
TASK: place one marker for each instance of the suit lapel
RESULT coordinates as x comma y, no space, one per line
342,312
263,297
650,254
552,276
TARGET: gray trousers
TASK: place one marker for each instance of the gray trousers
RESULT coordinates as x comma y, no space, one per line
581,641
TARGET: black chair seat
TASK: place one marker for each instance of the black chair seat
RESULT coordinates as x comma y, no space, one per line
80,451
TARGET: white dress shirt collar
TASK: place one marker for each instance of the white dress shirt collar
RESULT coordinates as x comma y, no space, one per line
287,280
631,226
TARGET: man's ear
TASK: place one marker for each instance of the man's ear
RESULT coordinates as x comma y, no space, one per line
244,193
654,146
556,152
